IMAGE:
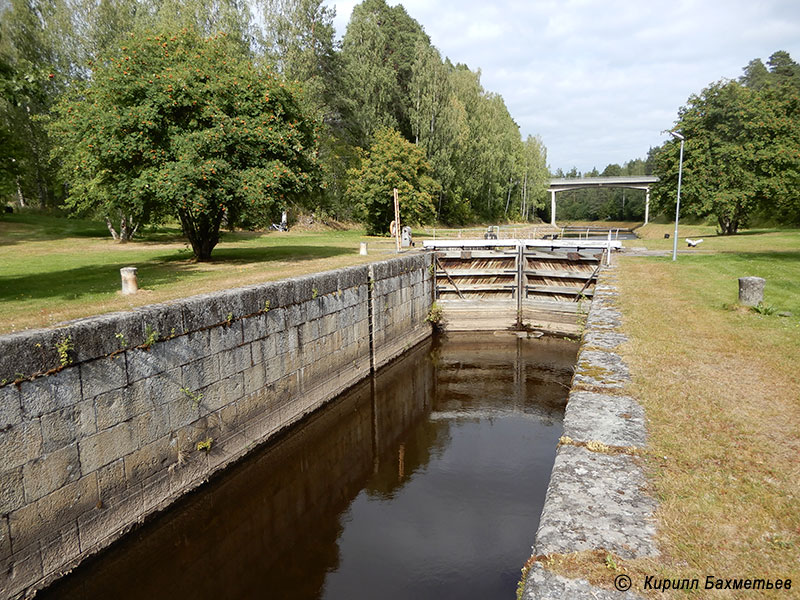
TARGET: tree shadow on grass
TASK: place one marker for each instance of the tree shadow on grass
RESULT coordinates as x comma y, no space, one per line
772,255
78,282
276,253
21,229
751,232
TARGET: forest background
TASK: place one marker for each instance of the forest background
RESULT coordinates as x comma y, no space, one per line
381,98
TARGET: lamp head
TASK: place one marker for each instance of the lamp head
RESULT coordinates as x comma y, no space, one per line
677,135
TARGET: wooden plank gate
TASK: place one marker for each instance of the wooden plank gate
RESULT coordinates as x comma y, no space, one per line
516,284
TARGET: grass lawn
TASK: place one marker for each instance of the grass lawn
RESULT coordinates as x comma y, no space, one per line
721,391
748,240
53,269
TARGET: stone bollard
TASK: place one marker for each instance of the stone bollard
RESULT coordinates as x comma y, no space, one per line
751,290
130,283
363,251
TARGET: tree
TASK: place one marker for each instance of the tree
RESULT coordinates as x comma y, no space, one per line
378,50
10,150
439,124
742,152
488,162
28,45
208,17
783,69
181,125
300,38
393,162
756,75
536,178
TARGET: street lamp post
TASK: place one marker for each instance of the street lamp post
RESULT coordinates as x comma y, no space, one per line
677,136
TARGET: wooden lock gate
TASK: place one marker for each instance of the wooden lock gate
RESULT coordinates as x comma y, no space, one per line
517,284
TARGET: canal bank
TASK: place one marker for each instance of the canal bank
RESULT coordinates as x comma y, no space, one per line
597,498
109,419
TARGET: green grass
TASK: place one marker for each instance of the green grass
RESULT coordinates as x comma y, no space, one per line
32,226
713,278
53,268
721,389
749,240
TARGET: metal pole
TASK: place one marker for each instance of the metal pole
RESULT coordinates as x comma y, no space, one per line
678,206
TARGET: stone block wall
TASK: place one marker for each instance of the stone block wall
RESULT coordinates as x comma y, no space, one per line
597,498
93,443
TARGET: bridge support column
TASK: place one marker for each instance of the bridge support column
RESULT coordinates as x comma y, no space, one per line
553,208
647,206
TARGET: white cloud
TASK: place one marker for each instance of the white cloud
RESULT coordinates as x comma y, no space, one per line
601,80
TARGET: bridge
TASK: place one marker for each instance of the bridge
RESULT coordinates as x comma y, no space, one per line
636,182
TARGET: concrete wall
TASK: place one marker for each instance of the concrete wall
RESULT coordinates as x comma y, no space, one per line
89,448
277,503
597,498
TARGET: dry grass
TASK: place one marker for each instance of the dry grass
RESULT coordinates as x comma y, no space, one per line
598,567
721,390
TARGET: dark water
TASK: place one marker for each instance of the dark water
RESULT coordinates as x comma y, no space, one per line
426,482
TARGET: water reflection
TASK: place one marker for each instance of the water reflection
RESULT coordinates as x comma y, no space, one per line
425,482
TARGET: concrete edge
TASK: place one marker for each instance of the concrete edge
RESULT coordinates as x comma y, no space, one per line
596,498
33,352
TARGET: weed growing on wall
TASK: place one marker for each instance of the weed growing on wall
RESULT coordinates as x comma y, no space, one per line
435,316
150,336
64,347
195,397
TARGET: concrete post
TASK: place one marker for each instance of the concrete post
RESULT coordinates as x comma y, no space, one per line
405,238
363,250
751,290
130,282
647,206
553,208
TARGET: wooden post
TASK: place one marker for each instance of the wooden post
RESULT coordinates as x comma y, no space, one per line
396,220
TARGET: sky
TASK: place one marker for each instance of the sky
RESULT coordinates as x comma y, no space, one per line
601,81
